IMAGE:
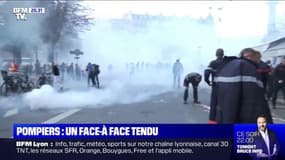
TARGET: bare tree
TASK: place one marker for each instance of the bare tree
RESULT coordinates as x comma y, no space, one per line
65,19
10,41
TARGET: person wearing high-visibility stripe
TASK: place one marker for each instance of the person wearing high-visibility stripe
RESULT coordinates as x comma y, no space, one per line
264,70
212,69
270,80
240,96
279,81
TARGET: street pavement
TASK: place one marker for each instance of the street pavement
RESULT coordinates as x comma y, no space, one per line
164,107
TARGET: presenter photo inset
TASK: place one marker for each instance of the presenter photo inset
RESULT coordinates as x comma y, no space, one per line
266,140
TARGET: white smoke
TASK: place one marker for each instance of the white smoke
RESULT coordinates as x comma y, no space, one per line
10,102
115,92
155,41
162,40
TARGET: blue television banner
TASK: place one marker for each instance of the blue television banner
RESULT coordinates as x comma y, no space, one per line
249,142
121,131
120,141
146,141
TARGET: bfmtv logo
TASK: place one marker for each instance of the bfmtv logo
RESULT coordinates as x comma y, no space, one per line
21,13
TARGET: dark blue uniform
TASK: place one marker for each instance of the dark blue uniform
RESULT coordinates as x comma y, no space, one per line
240,97
279,82
264,70
212,69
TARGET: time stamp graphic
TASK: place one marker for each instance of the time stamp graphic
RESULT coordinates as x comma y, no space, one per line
245,142
21,13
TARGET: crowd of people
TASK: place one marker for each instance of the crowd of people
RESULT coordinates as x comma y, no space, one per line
59,72
74,71
241,87
93,74
133,68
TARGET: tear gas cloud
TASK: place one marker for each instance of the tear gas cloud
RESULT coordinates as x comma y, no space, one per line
41,98
27,34
24,34
159,42
119,42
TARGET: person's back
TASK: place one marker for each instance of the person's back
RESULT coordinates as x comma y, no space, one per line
212,70
90,71
57,84
240,92
193,77
89,67
177,68
279,81
230,86
214,66
96,69
55,70
96,73
264,69
279,72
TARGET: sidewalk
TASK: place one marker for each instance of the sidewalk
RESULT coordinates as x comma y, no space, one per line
278,113
280,102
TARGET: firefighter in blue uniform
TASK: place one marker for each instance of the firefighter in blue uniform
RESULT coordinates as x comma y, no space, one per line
212,69
264,70
270,80
279,81
194,79
240,96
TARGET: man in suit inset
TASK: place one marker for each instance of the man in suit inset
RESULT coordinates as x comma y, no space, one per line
266,140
